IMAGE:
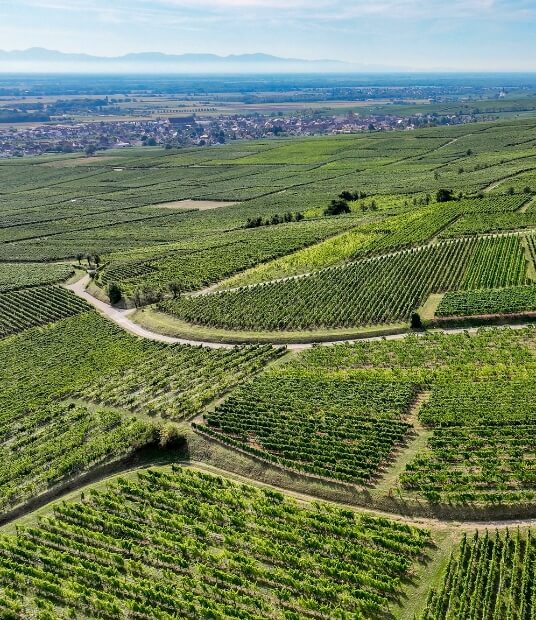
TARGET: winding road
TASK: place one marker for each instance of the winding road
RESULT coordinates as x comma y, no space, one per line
122,319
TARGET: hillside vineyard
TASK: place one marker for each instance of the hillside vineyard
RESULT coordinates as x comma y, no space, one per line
274,379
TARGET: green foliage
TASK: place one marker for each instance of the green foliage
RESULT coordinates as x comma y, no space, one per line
22,275
337,206
53,443
488,576
482,447
188,545
114,293
319,423
497,301
21,309
386,289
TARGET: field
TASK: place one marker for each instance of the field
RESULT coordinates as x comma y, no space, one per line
347,426
489,576
91,360
153,469
195,545
368,292
26,308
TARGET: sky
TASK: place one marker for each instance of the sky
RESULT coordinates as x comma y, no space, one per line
488,35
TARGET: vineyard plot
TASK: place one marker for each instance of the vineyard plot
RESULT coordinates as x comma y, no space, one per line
490,575
496,301
369,292
176,381
23,275
188,545
483,447
50,444
29,307
321,424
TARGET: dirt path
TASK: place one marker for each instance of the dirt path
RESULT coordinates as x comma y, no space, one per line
121,318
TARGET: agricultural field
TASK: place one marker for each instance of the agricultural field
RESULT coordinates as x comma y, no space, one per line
490,575
386,289
88,361
318,423
22,275
180,542
147,471
36,306
494,301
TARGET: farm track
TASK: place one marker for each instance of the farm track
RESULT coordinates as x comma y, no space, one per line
121,318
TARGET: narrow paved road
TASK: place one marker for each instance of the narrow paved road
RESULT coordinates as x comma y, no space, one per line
121,318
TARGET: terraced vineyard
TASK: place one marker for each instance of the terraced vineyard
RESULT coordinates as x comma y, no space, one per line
490,576
46,438
182,543
26,308
383,290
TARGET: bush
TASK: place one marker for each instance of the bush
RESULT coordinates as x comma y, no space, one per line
114,293
337,207
444,195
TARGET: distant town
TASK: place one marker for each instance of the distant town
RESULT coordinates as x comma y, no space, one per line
182,131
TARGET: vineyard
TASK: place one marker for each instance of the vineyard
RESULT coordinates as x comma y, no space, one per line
373,291
482,449
185,544
36,306
496,301
103,434
318,423
491,575
57,442
22,275
176,381
88,357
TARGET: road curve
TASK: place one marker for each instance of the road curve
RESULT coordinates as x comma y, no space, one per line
121,318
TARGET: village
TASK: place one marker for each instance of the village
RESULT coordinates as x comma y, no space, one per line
197,130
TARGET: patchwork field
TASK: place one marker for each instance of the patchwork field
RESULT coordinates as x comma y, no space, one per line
153,469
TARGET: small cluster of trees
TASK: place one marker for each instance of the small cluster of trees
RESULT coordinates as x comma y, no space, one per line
340,205
255,222
93,260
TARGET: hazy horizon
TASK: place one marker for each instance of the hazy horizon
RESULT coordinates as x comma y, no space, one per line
413,35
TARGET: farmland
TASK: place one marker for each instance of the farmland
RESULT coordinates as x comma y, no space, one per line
368,292
160,470
489,576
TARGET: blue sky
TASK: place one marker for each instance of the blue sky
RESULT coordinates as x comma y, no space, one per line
490,35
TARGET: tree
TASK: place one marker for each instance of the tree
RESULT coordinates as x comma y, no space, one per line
137,298
175,289
444,195
416,322
114,293
510,191
90,150
337,207
169,435
96,260
79,257
299,216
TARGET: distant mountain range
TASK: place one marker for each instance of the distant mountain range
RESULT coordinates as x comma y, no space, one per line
39,59
42,55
